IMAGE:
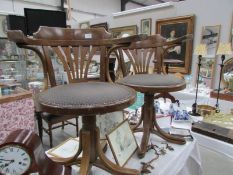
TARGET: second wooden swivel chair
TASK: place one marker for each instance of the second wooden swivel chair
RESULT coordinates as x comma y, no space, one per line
151,51
75,48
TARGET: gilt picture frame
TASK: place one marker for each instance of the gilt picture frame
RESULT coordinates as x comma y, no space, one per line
122,143
120,32
146,26
84,25
172,28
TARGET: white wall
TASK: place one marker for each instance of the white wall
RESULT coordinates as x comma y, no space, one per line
83,10
207,12
17,6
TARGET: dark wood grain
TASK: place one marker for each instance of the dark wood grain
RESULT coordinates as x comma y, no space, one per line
40,162
214,131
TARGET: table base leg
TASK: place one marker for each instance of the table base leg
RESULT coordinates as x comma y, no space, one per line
93,151
150,125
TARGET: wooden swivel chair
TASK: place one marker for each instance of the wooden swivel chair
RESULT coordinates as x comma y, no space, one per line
142,53
75,48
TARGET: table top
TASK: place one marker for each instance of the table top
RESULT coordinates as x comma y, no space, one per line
87,98
153,83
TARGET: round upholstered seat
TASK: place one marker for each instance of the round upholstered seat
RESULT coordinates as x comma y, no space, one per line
154,83
86,98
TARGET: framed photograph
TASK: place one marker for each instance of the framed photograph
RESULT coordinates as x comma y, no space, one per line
146,26
107,122
207,71
104,25
120,32
84,25
210,37
3,26
231,32
172,28
122,143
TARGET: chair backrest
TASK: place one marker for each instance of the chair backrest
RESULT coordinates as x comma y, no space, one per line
141,53
75,48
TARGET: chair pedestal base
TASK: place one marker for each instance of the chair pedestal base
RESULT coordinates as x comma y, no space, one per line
92,153
150,125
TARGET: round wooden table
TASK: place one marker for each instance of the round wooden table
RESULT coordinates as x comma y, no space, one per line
89,99
149,84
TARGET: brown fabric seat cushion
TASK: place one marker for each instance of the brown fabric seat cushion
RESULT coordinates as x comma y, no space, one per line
154,83
86,98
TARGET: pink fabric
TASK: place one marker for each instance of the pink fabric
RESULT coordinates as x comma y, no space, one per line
15,115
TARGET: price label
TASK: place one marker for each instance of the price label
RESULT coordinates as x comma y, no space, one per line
88,36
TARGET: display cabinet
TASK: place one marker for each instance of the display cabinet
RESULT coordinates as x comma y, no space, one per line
19,66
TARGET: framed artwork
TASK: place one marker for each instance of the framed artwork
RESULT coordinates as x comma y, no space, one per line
107,122
104,25
172,28
146,26
210,37
120,32
207,71
227,74
3,26
231,32
122,143
84,25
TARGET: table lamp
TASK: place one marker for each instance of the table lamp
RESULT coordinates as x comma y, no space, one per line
223,49
200,50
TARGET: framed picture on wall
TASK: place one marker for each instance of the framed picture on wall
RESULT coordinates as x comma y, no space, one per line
172,28
84,25
120,32
146,26
104,25
210,37
3,26
122,143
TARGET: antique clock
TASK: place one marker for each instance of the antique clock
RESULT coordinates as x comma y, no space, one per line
14,160
22,153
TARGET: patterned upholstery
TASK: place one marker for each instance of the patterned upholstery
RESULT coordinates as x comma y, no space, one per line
83,96
16,115
153,82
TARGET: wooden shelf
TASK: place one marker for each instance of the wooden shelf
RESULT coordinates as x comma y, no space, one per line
17,95
222,95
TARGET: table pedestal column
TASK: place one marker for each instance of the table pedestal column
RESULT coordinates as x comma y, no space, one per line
93,153
150,125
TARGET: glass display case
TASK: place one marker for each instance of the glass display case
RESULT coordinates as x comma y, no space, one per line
20,66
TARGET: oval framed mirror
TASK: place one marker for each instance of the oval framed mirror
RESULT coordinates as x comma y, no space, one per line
227,72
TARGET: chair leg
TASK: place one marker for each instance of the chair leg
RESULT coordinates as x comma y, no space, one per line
40,124
77,129
50,135
63,125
